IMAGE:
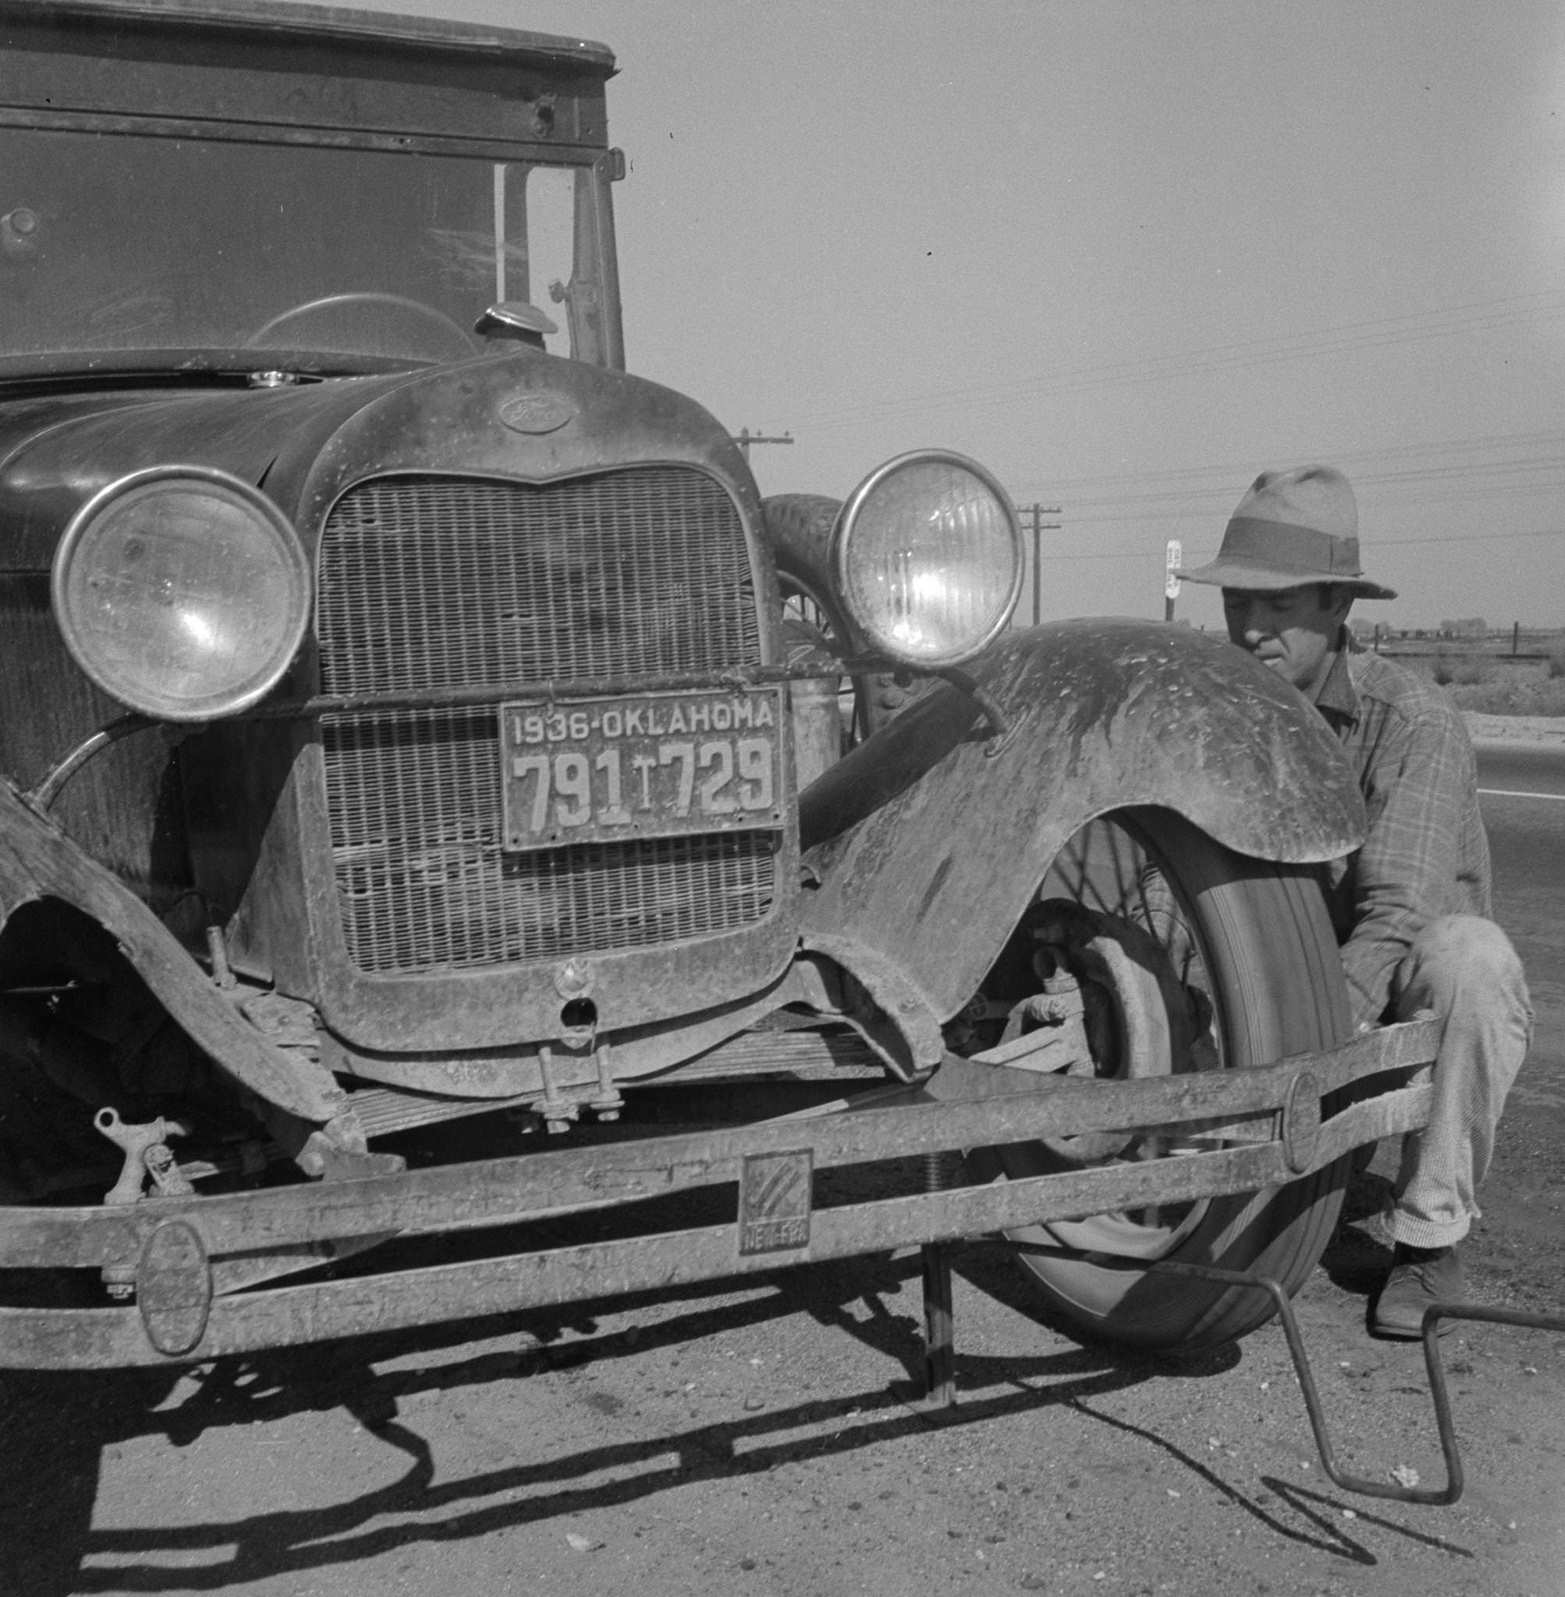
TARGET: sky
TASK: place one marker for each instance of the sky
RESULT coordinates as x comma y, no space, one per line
1125,253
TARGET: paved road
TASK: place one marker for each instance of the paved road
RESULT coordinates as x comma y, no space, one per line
1519,770
1522,790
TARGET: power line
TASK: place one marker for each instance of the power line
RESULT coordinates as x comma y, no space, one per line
1184,507
1039,527
1151,552
1345,338
744,438
1230,472
1470,537
1405,476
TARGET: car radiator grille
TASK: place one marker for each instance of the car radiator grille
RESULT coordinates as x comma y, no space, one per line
448,583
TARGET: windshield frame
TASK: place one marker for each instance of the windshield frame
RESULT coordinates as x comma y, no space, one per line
210,72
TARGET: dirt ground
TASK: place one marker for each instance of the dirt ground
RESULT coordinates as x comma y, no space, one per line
759,1439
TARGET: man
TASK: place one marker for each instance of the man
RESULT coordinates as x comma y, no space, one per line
1411,907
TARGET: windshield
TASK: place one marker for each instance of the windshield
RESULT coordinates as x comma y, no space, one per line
342,258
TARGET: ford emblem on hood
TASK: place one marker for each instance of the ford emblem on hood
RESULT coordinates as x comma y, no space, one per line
536,413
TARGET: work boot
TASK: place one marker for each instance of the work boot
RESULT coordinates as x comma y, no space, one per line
1419,1277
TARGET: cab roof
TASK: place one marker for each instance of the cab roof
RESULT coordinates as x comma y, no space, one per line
275,72
348,22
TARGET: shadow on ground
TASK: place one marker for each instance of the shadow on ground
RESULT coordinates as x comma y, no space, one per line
52,1497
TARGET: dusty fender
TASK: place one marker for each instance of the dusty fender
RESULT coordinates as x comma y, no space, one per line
925,844
37,860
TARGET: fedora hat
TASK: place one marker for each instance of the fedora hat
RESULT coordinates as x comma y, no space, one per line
1292,529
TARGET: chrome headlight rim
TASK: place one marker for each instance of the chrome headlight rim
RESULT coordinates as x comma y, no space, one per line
278,541
862,618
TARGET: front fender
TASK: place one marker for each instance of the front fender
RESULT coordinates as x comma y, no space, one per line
926,843
37,860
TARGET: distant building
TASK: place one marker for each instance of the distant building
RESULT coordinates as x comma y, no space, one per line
1471,627
1369,632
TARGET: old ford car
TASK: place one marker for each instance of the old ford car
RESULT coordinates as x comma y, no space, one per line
439,792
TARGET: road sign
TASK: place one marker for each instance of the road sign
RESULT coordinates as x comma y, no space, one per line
1176,554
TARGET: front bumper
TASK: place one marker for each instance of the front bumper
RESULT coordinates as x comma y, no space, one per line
1266,1127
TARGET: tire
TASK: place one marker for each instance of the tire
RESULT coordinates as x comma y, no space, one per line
1246,949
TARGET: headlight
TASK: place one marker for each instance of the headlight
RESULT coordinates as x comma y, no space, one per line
182,592
928,558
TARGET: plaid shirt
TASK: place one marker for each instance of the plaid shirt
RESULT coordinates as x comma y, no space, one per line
1426,853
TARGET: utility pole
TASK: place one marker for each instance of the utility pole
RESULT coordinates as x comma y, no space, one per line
1036,513
746,438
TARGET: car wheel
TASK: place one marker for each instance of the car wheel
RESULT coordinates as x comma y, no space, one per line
1185,957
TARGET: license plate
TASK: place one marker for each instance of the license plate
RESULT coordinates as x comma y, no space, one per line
645,765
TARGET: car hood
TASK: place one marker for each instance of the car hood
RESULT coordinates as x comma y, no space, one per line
521,414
